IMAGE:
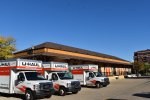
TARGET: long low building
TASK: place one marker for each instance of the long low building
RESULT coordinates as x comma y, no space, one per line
108,65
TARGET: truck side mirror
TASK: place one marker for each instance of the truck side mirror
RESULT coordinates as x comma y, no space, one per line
47,77
87,78
20,78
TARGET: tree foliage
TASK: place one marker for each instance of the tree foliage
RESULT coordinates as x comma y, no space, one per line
7,47
146,68
138,66
141,67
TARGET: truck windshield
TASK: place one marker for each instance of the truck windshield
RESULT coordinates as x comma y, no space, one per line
98,74
65,75
31,76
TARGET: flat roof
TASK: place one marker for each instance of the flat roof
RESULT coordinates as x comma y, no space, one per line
142,51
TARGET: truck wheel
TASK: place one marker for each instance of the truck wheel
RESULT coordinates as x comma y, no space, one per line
29,95
48,96
98,85
104,85
75,92
62,91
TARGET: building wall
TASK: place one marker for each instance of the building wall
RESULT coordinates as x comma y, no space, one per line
109,67
142,56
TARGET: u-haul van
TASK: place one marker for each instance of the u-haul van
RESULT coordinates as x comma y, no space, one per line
62,79
20,76
88,75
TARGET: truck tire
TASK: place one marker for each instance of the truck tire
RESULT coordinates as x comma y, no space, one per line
62,91
104,85
29,95
75,92
48,96
98,85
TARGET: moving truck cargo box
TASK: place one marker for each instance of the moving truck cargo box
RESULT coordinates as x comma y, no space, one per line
21,76
55,66
79,69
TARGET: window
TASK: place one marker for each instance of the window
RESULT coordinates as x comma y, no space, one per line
31,76
21,77
65,75
54,76
91,75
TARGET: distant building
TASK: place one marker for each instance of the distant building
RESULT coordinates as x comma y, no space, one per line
142,56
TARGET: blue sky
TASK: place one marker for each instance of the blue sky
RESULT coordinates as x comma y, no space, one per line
114,27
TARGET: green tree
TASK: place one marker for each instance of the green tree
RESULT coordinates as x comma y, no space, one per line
7,47
146,68
138,66
141,67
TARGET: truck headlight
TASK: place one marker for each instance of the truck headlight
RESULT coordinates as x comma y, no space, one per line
102,80
36,87
68,85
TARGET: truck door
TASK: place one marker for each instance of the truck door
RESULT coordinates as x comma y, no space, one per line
87,77
54,79
90,78
19,84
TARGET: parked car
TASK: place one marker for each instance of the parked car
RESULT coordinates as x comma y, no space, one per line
130,75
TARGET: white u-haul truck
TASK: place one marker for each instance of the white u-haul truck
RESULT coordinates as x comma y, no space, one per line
20,76
62,79
88,75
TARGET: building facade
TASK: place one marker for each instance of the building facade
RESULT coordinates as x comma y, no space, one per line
142,56
108,65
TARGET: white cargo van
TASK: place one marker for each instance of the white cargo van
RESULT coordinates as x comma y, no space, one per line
88,75
20,76
62,79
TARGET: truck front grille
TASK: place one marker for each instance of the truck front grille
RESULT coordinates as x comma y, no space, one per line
106,79
46,86
75,84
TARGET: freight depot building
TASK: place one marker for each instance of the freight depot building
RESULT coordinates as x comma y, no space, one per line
108,65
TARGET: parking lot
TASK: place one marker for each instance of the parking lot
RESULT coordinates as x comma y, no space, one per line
121,89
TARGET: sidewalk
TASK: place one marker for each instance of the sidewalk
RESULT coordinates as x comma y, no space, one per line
112,78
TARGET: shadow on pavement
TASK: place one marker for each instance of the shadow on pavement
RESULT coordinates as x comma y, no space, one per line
116,99
140,77
12,95
68,93
93,87
144,94
19,96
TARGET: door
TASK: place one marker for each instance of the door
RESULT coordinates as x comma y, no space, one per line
54,79
19,87
90,78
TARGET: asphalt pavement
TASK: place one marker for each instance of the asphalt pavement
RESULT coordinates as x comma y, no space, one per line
121,89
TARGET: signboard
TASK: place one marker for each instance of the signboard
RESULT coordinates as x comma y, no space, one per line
55,66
